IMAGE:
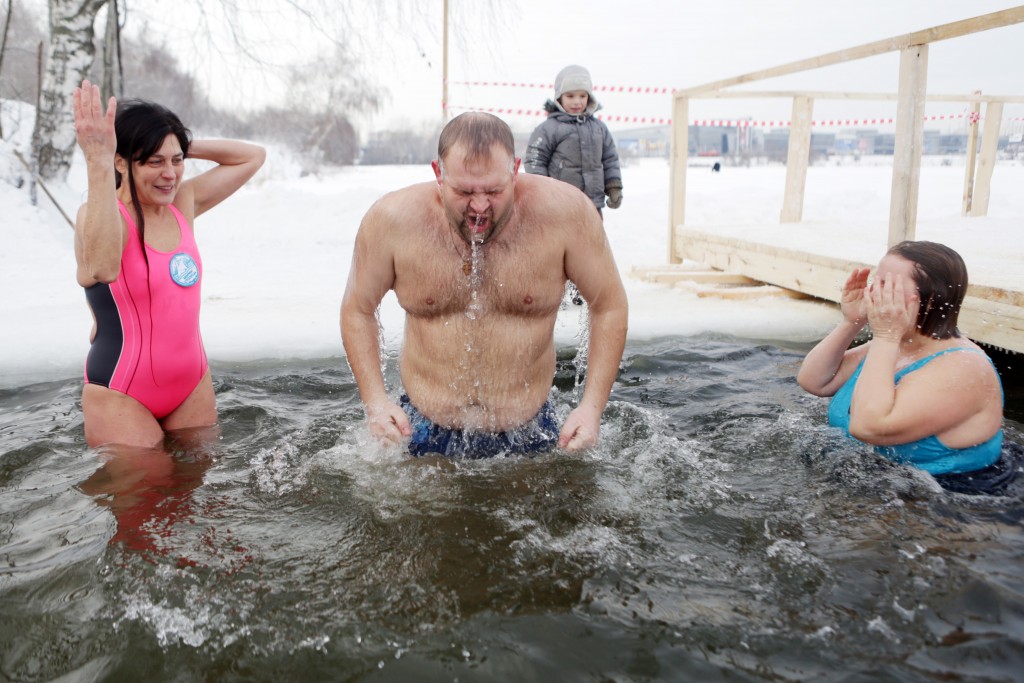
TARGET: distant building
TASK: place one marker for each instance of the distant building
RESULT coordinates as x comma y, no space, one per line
750,141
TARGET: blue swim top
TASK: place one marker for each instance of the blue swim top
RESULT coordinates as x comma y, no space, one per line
930,454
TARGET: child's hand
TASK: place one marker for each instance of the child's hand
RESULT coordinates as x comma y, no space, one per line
614,196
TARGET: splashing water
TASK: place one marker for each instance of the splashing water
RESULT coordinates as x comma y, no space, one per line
478,229
720,526
383,357
475,309
582,350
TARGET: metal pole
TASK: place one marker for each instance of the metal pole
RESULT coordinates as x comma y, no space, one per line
444,84
37,179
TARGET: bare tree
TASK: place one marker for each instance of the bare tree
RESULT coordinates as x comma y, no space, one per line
24,33
3,49
113,67
250,26
153,73
70,56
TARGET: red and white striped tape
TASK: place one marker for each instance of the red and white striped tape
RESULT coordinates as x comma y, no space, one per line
728,123
972,118
541,112
635,89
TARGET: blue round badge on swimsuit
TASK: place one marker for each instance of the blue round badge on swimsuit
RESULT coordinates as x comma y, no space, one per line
184,270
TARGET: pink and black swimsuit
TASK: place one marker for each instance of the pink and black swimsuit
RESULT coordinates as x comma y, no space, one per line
147,341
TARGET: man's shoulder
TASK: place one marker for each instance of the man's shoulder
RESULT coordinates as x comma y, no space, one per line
411,192
412,198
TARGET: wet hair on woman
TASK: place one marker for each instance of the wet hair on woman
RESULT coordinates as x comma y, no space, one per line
941,278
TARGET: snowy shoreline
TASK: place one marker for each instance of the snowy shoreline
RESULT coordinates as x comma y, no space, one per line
276,255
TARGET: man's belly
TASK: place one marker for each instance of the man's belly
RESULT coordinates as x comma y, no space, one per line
481,377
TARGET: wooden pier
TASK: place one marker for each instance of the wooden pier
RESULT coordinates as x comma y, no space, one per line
990,315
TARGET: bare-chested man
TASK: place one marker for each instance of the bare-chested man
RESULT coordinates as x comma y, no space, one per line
478,261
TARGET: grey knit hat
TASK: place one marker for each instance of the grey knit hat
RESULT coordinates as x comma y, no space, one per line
573,77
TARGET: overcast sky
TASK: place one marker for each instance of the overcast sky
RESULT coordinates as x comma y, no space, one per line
640,43
664,43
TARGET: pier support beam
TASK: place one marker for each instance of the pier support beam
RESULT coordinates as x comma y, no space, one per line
797,159
677,172
906,164
987,160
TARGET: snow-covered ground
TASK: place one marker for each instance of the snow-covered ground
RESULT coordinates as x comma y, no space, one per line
276,255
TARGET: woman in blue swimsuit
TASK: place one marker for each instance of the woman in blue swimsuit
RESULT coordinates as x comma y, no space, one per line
919,391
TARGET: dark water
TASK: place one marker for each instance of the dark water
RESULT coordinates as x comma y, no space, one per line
721,532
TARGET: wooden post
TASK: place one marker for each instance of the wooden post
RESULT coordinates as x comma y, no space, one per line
677,172
972,155
987,161
906,163
797,159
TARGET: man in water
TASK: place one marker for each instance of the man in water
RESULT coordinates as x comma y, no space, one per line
478,261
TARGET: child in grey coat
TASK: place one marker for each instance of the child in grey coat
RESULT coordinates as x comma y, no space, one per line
572,145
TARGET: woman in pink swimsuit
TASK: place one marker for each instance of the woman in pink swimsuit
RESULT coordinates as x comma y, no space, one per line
146,372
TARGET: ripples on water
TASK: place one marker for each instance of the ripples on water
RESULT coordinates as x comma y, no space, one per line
720,532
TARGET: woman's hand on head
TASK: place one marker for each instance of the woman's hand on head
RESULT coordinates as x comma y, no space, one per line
892,304
852,303
94,129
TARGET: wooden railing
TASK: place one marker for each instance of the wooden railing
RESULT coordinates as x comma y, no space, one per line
910,99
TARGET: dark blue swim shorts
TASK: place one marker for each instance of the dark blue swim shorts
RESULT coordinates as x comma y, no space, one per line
539,434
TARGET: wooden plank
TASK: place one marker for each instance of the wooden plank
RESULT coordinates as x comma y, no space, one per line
758,292
696,274
990,315
993,322
820,276
677,171
956,29
906,163
639,271
972,157
997,295
987,160
707,278
797,159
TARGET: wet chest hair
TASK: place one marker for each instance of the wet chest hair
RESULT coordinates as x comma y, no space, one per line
443,277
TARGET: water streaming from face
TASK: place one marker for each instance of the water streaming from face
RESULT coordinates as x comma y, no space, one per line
475,309
479,223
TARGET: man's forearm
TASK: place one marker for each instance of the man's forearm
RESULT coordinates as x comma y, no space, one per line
607,342
359,335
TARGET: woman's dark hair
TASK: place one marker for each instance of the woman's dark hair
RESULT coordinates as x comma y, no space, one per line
141,128
941,278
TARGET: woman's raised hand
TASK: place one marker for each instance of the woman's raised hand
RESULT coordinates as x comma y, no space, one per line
93,128
852,304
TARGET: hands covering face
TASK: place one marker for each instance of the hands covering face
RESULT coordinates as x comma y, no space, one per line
853,303
892,304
